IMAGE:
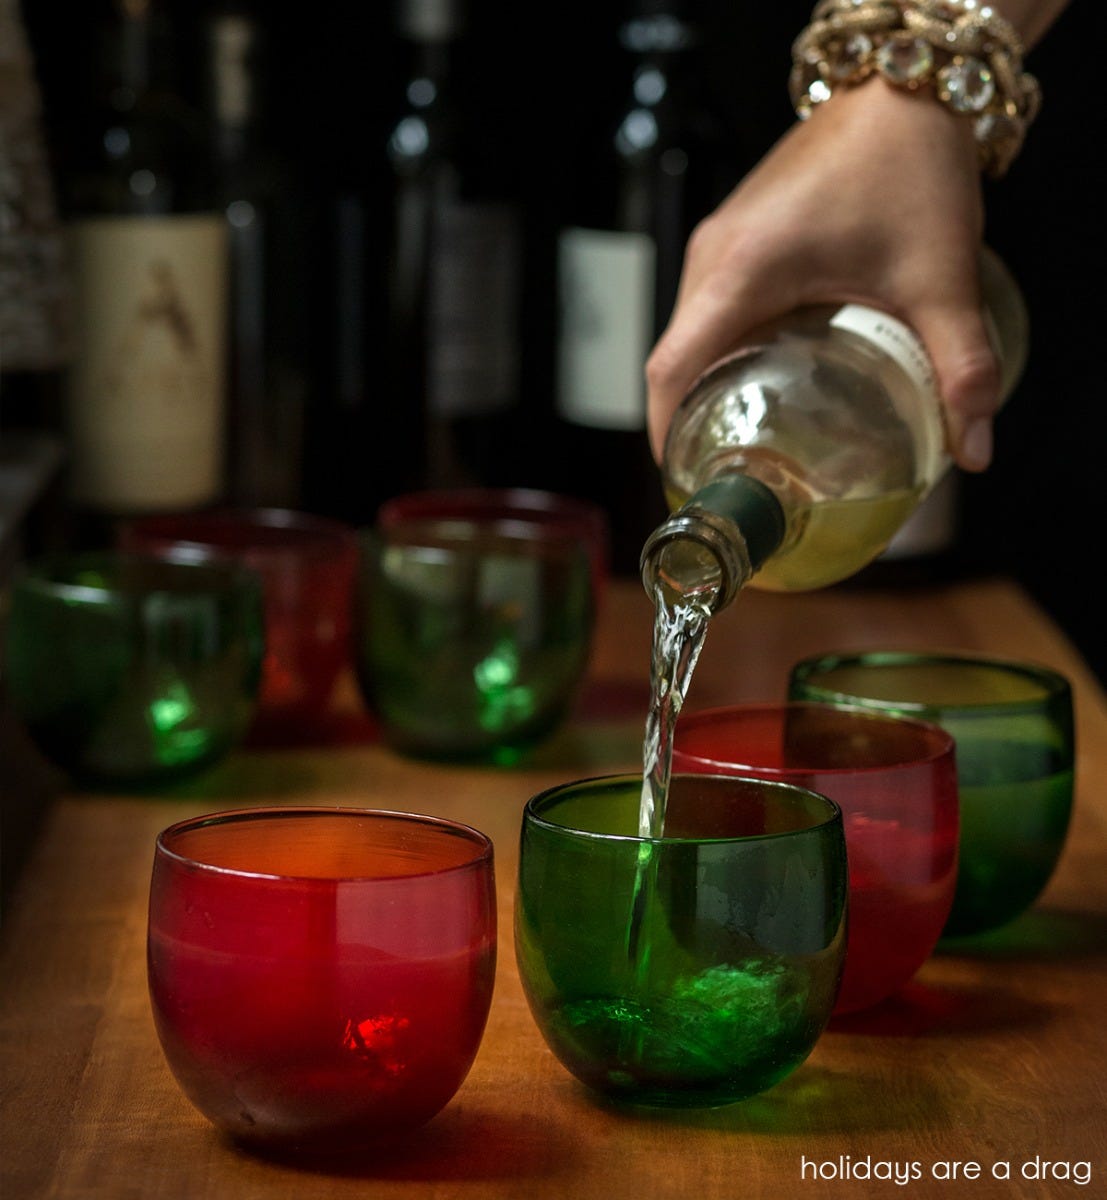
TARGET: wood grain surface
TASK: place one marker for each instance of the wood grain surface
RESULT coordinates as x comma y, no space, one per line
993,1055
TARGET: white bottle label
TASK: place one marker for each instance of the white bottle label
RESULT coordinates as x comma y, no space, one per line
899,341
606,283
146,386
904,346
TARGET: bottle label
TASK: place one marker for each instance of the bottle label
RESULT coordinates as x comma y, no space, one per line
473,303
897,340
146,383
606,283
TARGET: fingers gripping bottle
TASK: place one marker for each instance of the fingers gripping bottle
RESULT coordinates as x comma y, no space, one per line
792,463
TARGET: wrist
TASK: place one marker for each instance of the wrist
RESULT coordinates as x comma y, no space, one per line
960,53
878,110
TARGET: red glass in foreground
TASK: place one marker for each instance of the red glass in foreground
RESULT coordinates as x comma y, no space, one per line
320,978
896,783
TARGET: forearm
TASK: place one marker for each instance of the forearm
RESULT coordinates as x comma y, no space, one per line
875,199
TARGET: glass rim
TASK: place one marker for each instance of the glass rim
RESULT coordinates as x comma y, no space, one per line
40,577
533,503
513,514
943,743
597,782
312,535
1053,683
483,845
453,534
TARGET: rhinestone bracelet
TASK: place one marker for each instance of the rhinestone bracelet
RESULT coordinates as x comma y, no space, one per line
963,49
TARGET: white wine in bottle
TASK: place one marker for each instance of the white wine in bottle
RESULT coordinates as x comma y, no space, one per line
792,463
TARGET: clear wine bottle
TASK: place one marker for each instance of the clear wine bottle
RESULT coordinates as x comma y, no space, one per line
792,463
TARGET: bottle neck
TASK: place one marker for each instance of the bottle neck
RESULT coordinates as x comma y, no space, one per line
135,52
708,549
233,47
429,22
658,27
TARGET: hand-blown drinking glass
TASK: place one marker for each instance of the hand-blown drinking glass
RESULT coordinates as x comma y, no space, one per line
475,622
307,566
1013,727
133,671
320,977
580,519
896,783
692,970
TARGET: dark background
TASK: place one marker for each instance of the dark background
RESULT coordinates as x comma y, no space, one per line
541,76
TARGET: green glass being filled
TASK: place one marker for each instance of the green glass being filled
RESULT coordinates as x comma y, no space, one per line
739,934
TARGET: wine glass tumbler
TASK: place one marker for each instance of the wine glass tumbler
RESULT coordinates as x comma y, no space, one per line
1013,726
307,565
693,970
320,978
133,671
475,620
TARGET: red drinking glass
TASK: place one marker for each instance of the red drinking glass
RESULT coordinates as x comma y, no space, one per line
320,978
307,565
895,781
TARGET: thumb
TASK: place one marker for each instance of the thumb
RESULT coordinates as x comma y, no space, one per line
968,375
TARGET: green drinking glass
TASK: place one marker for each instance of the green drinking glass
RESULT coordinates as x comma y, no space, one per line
474,620
1013,726
133,671
694,970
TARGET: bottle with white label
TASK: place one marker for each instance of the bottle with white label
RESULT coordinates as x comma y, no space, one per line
264,202
642,182
454,285
144,402
792,463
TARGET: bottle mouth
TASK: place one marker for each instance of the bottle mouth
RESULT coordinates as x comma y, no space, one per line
706,552
696,557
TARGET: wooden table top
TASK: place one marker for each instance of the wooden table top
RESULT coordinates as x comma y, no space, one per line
995,1055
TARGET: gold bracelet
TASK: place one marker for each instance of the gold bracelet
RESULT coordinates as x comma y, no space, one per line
963,49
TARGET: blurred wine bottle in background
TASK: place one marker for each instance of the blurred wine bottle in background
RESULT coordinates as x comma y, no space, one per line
644,180
456,260
148,252
261,197
33,287
427,272
333,130
34,307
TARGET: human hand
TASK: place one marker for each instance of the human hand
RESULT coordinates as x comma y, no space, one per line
875,199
